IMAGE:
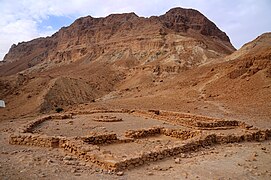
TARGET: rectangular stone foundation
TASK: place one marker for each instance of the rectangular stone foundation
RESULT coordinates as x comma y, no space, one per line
110,162
89,148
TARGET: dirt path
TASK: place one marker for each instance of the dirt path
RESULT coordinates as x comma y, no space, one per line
202,95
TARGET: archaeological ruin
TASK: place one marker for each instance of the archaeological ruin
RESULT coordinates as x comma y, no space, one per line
144,136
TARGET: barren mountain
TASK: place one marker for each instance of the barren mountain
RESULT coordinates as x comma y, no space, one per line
98,53
183,37
179,60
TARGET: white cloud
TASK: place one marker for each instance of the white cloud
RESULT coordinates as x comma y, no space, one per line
19,30
23,20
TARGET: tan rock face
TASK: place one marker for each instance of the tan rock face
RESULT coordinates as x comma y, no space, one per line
180,35
177,61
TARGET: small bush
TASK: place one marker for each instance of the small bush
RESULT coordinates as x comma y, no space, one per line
59,109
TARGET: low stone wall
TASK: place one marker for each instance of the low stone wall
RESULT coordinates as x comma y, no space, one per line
216,124
146,157
35,140
107,119
103,111
105,160
180,134
24,135
258,135
189,120
78,147
91,153
157,112
190,146
175,133
107,138
143,132
198,121
32,124
86,147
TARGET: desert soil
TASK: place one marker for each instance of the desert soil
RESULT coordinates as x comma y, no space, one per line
250,160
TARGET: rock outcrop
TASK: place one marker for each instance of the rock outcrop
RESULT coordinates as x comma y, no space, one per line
183,36
179,60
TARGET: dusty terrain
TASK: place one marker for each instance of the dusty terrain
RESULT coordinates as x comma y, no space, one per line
241,159
132,73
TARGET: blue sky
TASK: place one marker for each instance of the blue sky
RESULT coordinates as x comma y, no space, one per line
23,20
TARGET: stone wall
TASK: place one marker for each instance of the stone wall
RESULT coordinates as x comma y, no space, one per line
35,140
190,146
32,124
106,138
175,133
107,119
258,135
87,147
189,120
180,134
103,111
91,153
218,123
24,135
143,132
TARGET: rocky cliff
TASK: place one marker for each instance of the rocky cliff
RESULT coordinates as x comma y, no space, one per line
183,37
177,61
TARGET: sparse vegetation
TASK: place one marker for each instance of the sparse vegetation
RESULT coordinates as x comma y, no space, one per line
59,109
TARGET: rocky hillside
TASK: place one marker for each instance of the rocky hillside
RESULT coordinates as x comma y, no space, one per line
258,48
181,37
177,61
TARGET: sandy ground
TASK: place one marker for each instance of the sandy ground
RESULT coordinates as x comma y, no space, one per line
232,161
82,125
